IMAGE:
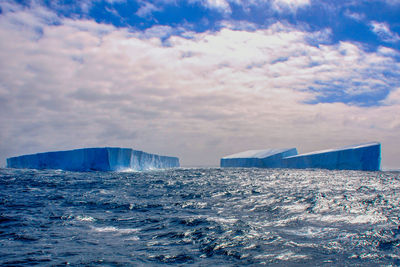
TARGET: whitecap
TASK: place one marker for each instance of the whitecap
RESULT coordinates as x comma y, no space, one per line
222,220
85,218
105,229
290,255
132,238
112,229
296,207
354,219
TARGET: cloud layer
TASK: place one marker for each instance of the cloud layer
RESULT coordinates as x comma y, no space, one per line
68,83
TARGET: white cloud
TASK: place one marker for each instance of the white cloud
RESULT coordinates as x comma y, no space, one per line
292,5
323,36
238,25
354,15
393,99
222,6
383,31
146,9
83,84
388,52
277,5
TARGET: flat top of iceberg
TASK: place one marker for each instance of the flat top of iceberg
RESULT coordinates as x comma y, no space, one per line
257,153
70,150
337,149
87,148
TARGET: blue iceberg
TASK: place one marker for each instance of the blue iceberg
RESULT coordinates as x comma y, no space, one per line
94,159
364,157
267,158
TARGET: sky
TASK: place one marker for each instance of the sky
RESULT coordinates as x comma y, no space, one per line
199,79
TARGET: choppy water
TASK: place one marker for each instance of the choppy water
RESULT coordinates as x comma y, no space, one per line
199,216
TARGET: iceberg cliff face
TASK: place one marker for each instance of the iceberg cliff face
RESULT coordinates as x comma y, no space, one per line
267,158
94,159
364,157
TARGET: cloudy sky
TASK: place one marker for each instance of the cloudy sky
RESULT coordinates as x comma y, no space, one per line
199,79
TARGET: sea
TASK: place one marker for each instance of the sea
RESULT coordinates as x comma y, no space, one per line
199,217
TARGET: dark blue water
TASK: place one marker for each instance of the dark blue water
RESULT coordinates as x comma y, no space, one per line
202,217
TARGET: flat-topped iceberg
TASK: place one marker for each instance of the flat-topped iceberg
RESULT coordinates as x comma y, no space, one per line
364,157
94,159
266,158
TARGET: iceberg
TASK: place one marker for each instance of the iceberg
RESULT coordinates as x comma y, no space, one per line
363,157
94,159
266,158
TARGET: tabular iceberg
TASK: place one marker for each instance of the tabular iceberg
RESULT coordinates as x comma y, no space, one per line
94,159
364,157
267,158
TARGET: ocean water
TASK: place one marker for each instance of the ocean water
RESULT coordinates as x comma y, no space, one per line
199,217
